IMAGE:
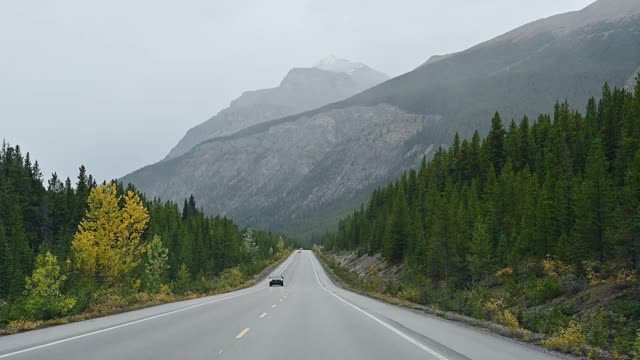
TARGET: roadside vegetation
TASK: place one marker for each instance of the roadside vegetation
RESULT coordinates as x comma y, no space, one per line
69,253
535,227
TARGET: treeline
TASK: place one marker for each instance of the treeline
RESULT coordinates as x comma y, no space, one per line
531,212
41,232
565,185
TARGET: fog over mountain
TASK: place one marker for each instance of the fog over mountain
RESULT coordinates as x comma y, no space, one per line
302,172
302,89
115,85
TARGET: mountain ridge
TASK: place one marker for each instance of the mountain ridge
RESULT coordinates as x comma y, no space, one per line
454,93
301,89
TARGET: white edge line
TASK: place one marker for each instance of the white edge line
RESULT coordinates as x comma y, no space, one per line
396,331
130,323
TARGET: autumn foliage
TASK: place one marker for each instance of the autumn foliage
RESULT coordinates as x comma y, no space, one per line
108,243
73,252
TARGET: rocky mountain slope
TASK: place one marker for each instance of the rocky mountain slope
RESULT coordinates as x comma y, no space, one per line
291,170
331,80
302,172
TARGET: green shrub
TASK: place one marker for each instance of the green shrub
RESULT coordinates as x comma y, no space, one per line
182,284
629,308
43,298
83,290
4,313
543,290
164,294
410,294
569,339
495,309
468,302
596,325
107,301
608,329
392,288
510,321
376,280
232,277
202,285
624,340
547,320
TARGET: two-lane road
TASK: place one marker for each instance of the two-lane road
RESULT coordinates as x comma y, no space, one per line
309,318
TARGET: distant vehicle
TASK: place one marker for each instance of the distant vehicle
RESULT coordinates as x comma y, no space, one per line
300,250
276,280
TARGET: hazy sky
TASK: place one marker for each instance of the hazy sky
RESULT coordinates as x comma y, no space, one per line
115,84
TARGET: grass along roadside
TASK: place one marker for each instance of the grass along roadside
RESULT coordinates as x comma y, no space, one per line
138,301
352,282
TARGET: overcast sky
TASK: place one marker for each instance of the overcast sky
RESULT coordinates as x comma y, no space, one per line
115,84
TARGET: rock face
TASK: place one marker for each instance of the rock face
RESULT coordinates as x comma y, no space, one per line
303,172
302,89
292,169
367,266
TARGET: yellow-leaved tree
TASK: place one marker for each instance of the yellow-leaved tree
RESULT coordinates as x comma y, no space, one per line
108,243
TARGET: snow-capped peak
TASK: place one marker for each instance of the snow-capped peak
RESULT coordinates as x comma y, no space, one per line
335,64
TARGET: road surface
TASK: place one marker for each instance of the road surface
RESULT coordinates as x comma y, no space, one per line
309,318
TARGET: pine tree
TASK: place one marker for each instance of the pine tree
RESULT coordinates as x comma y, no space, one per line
608,119
397,230
55,210
5,265
183,280
511,141
524,146
189,208
593,203
83,189
479,255
629,217
494,144
20,253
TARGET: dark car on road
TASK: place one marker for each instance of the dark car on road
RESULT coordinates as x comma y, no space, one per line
276,280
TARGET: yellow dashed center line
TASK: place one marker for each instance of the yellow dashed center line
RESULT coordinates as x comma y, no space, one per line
242,333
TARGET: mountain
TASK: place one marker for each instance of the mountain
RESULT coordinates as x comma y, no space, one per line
302,172
290,170
567,56
331,80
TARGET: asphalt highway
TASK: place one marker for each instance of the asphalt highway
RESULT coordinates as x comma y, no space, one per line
309,318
